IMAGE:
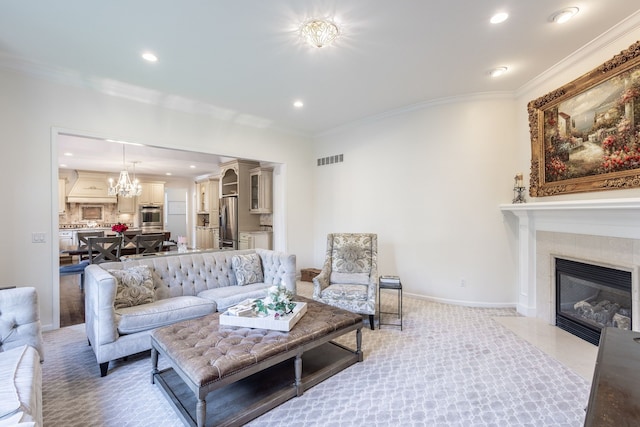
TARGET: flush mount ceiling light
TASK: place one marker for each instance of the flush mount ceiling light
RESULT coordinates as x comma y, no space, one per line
499,17
298,104
319,32
498,71
562,16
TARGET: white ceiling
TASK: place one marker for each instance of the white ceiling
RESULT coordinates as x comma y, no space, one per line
243,61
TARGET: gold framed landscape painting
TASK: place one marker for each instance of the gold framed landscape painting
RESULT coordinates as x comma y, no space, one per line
585,136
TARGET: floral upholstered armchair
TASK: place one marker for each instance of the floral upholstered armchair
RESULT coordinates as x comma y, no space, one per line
349,276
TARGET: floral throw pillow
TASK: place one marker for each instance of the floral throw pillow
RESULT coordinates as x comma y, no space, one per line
134,287
248,269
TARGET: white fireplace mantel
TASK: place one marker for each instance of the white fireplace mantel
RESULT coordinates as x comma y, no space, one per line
602,217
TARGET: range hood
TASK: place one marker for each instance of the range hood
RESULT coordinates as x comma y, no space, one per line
91,187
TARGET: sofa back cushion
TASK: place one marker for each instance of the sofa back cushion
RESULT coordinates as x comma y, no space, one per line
187,274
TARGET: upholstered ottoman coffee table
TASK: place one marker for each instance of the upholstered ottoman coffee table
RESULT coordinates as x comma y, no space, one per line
226,375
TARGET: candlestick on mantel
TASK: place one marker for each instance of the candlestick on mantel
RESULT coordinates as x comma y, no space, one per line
519,180
518,189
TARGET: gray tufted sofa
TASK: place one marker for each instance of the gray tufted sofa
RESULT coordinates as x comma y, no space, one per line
20,357
186,286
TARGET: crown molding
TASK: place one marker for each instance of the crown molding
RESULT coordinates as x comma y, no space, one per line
457,99
136,93
602,42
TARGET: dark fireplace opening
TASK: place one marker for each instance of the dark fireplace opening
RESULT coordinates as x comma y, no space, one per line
590,297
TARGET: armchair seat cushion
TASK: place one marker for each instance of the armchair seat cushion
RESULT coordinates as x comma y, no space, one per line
346,292
161,313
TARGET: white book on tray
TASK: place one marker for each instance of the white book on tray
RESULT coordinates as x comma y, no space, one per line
390,279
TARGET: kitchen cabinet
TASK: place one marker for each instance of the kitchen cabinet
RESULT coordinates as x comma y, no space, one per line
261,198
62,196
254,240
126,205
207,197
152,193
235,181
202,197
207,238
229,180
67,239
214,200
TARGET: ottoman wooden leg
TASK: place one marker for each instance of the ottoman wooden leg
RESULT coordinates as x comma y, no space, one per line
201,412
298,371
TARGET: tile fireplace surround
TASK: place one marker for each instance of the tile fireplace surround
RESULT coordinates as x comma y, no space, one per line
604,232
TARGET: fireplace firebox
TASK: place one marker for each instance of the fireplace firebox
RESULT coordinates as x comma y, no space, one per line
590,297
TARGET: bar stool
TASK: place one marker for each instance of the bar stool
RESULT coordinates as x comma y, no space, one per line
392,283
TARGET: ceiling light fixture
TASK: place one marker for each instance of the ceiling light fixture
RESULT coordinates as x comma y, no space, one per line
498,71
319,32
298,104
148,56
125,187
499,17
562,16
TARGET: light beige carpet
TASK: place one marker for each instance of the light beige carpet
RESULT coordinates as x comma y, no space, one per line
451,366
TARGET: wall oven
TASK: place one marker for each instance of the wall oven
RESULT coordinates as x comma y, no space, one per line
151,218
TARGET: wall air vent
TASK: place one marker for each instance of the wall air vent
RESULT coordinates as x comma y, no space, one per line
338,158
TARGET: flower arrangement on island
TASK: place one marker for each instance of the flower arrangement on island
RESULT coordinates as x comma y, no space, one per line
278,299
119,228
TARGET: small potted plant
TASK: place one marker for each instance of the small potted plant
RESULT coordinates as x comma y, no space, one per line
278,300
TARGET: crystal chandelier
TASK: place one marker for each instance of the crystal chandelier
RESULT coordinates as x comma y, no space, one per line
125,187
319,32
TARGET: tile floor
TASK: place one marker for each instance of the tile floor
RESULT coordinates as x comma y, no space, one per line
573,352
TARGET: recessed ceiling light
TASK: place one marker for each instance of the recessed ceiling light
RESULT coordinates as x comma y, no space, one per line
192,166
498,71
562,16
68,154
148,56
168,173
298,104
499,17
62,165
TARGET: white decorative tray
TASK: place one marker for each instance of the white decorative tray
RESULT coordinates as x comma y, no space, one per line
284,323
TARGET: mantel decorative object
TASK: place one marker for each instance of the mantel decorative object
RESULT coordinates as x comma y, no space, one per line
518,190
585,136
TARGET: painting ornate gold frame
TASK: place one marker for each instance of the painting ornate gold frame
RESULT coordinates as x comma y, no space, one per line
585,136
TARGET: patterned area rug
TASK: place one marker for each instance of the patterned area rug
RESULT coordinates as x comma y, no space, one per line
450,366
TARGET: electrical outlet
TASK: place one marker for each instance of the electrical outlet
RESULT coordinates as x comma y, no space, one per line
38,238
463,283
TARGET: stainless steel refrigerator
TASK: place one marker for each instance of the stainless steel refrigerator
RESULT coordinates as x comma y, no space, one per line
229,222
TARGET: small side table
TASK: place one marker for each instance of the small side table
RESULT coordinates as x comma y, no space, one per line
392,284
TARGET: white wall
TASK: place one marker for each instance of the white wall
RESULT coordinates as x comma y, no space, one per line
31,107
429,183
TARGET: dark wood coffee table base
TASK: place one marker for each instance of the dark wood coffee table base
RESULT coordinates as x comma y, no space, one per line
242,401
221,375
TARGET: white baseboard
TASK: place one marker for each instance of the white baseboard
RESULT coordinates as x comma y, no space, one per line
464,303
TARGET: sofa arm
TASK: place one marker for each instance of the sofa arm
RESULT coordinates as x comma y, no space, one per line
20,319
278,267
99,296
